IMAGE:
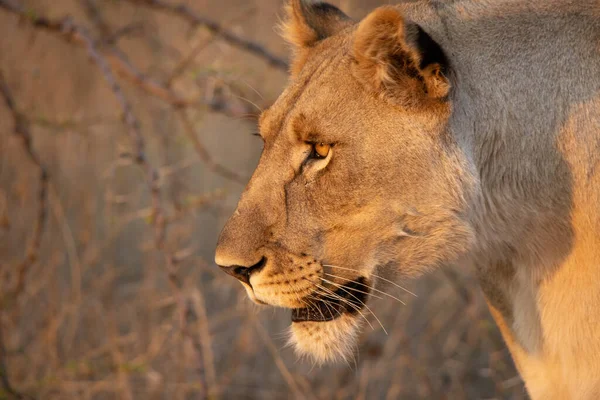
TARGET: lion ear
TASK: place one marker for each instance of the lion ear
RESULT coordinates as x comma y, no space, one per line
308,23
399,59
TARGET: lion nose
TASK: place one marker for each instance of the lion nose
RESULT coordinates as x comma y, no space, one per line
243,273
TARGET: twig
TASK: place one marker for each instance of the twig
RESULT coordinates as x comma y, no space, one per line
204,154
23,132
185,63
158,219
4,381
123,31
285,372
65,28
110,38
118,61
117,356
157,89
187,60
187,13
91,9
204,333
458,287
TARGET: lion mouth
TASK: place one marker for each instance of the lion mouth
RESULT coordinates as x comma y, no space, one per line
349,298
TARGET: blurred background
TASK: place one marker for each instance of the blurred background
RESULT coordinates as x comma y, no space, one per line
125,141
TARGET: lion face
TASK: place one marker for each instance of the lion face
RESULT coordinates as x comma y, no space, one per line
357,183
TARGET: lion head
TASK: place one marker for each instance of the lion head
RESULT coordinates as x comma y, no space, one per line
358,182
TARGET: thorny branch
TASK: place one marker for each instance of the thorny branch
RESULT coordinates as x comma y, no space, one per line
158,219
118,61
64,27
31,256
110,37
23,132
187,13
202,152
4,381
110,59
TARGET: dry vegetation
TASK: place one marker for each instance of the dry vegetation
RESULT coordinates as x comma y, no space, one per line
125,141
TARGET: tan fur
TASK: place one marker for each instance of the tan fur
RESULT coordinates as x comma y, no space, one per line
491,161
299,32
326,342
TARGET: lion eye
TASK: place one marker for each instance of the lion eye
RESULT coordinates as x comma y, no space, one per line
321,150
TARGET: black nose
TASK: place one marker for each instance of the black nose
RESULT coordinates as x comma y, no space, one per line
243,273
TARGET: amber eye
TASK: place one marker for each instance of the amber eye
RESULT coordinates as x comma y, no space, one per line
321,150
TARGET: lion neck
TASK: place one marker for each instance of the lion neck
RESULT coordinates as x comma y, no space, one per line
522,206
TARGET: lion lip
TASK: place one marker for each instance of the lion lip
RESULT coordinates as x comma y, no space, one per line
348,299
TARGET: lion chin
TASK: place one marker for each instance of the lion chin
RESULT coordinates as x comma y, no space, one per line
326,341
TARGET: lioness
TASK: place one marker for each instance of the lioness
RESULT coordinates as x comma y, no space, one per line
430,134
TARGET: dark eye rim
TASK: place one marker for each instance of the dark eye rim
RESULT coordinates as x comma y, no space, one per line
313,155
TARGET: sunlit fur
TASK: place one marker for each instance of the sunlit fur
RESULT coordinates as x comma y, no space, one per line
329,341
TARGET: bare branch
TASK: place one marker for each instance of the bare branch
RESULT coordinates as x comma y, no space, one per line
4,381
118,61
91,9
285,372
110,37
64,28
457,285
158,217
185,63
205,155
187,13
23,132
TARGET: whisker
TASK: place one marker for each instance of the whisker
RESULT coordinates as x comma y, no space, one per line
330,294
347,302
248,101
251,87
376,276
308,305
245,117
359,300
327,304
333,295
314,308
345,289
370,287
353,289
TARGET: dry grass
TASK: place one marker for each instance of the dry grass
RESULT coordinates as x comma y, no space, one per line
123,144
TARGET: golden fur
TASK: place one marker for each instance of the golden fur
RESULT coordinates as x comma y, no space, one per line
484,155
